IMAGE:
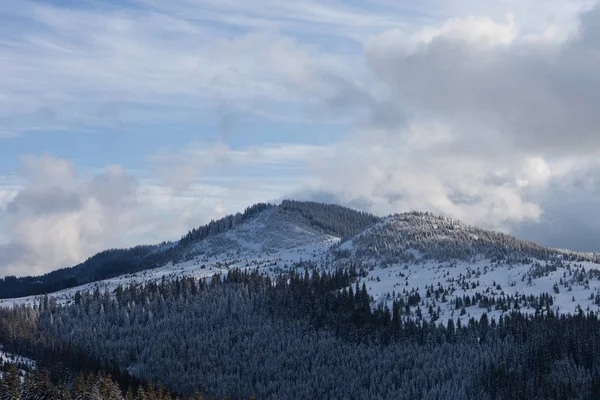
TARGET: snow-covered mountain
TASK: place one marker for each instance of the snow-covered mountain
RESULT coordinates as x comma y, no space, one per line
271,231
445,261
415,236
435,266
264,234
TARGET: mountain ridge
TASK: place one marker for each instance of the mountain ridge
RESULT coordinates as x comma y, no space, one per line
399,237
114,262
278,237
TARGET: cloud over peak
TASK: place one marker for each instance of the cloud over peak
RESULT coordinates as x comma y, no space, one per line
539,97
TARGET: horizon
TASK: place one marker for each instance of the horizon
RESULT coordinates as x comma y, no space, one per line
129,122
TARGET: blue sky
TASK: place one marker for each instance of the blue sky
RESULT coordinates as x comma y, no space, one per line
124,122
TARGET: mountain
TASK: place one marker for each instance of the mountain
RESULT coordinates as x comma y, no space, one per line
416,236
259,229
452,269
403,257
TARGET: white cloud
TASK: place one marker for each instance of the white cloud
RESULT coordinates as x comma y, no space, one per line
8,134
6,196
498,122
202,160
66,67
479,32
535,172
164,61
55,216
46,171
387,174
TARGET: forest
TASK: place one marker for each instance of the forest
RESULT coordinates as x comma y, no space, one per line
304,335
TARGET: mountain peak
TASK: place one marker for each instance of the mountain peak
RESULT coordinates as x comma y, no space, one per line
415,236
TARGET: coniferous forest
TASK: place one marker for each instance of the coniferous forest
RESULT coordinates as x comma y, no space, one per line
305,335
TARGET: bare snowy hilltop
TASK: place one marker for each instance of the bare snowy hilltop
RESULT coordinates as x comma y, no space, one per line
436,268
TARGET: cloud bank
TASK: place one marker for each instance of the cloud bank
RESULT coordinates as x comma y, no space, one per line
58,218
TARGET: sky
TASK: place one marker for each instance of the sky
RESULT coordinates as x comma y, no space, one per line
130,122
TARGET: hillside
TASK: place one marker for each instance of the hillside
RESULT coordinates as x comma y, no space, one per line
415,236
306,336
435,267
261,228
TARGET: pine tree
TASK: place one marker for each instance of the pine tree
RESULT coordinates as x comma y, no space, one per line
30,387
10,385
80,388
64,393
130,395
141,394
150,392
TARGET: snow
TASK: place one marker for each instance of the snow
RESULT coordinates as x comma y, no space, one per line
382,282
9,358
268,261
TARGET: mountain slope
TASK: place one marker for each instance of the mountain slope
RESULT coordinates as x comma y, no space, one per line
436,268
440,268
414,236
260,228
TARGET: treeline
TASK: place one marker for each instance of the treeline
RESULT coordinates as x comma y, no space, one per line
104,265
222,225
331,219
316,335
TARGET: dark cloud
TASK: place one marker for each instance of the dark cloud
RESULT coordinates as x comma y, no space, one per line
11,253
538,95
361,101
568,221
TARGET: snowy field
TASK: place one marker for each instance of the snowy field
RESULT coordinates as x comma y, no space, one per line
498,281
455,279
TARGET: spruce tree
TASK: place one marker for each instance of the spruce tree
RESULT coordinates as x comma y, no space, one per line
10,385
